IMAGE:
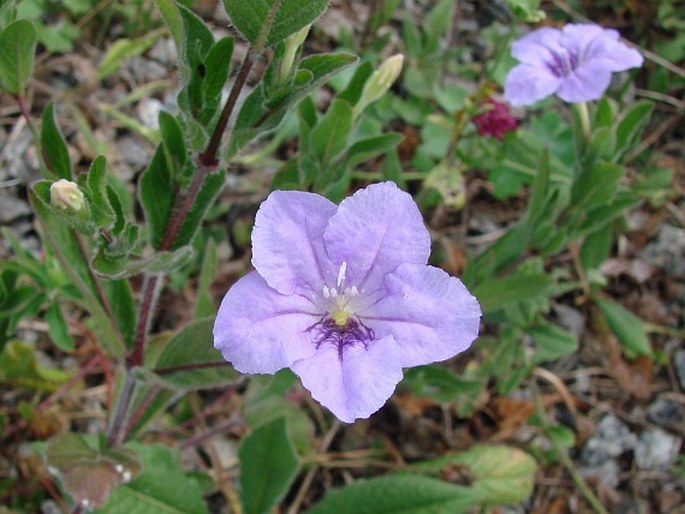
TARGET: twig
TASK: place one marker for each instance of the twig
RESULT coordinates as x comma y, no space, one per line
311,474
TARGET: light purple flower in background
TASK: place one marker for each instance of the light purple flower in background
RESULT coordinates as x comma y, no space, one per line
575,63
342,295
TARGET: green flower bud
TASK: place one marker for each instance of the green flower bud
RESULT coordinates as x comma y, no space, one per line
291,44
380,81
65,194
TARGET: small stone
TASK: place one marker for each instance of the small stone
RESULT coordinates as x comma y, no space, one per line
667,251
679,365
146,70
657,449
148,112
611,440
11,207
164,51
667,413
607,472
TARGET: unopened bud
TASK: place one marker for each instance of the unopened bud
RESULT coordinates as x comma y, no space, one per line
380,81
291,44
65,194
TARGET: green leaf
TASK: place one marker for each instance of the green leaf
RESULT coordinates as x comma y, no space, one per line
497,293
631,125
58,329
120,267
124,49
596,185
194,344
95,190
596,248
497,474
20,368
123,306
395,494
265,402
53,145
17,51
551,342
205,301
371,147
527,10
628,328
436,23
267,22
539,193
255,118
330,136
438,383
268,467
209,190
161,487
156,192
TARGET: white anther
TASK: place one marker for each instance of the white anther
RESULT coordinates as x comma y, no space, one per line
334,292
326,292
341,273
352,291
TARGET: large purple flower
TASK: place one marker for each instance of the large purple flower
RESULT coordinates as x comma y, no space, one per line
574,63
342,295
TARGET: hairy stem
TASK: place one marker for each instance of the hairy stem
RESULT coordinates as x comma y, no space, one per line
207,161
209,157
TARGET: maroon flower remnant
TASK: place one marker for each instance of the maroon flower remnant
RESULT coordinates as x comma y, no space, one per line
495,121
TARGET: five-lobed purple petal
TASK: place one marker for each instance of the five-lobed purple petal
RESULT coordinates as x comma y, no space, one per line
344,297
575,63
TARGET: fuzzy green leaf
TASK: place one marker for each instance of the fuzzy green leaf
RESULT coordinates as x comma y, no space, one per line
17,51
267,22
268,466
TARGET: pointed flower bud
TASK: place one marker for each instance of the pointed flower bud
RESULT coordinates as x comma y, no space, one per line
380,82
65,194
291,44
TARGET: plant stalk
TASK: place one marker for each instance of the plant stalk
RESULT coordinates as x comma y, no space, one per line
207,161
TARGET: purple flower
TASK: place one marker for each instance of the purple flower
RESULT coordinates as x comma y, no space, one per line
342,295
575,63
495,121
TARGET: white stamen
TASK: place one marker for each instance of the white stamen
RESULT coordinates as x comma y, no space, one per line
326,292
352,291
334,292
341,273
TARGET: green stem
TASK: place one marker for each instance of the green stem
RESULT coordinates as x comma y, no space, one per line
565,460
207,161
584,119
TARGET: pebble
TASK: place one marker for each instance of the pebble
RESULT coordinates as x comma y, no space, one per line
11,207
667,413
607,472
667,251
679,365
656,449
612,439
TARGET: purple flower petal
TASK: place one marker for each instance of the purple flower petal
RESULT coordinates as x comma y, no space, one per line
526,84
580,57
260,330
430,314
535,48
586,83
355,386
374,231
288,249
